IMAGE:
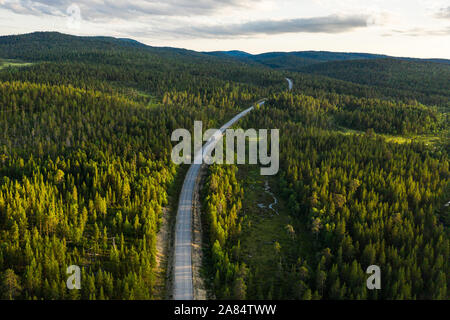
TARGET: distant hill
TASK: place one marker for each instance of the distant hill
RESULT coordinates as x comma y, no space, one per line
362,74
233,53
102,60
412,75
55,46
295,61
428,80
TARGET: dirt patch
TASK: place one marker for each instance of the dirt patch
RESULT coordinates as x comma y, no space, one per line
163,256
200,292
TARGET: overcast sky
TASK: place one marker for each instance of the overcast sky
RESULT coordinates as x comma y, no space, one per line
413,28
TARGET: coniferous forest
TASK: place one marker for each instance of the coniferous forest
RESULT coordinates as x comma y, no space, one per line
86,174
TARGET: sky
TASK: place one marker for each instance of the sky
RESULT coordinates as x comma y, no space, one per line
408,28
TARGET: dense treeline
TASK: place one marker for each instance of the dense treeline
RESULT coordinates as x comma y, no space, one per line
364,202
137,65
388,117
84,180
82,61
145,76
85,158
222,203
428,82
359,74
322,86
382,116
368,202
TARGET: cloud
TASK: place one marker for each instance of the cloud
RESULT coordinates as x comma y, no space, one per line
30,7
174,19
327,24
418,32
444,13
123,9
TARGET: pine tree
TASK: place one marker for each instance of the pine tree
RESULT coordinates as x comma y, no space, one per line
10,287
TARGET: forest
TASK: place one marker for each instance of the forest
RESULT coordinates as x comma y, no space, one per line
361,200
86,174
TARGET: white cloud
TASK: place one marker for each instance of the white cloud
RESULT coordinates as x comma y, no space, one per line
123,9
421,32
328,24
252,25
443,13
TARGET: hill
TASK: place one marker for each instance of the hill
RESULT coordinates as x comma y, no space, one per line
86,175
429,78
425,80
296,60
126,60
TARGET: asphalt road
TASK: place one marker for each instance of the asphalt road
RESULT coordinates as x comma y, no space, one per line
291,84
183,280
183,288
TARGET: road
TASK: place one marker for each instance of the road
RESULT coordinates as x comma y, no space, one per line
291,84
183,289
183,280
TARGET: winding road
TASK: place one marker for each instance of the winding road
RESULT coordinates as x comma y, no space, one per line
183,280
291,84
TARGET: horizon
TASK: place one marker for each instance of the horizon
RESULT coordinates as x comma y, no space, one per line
415,29
224,51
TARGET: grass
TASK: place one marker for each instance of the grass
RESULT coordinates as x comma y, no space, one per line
152,101
262,227
429,139
426,139
5,63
